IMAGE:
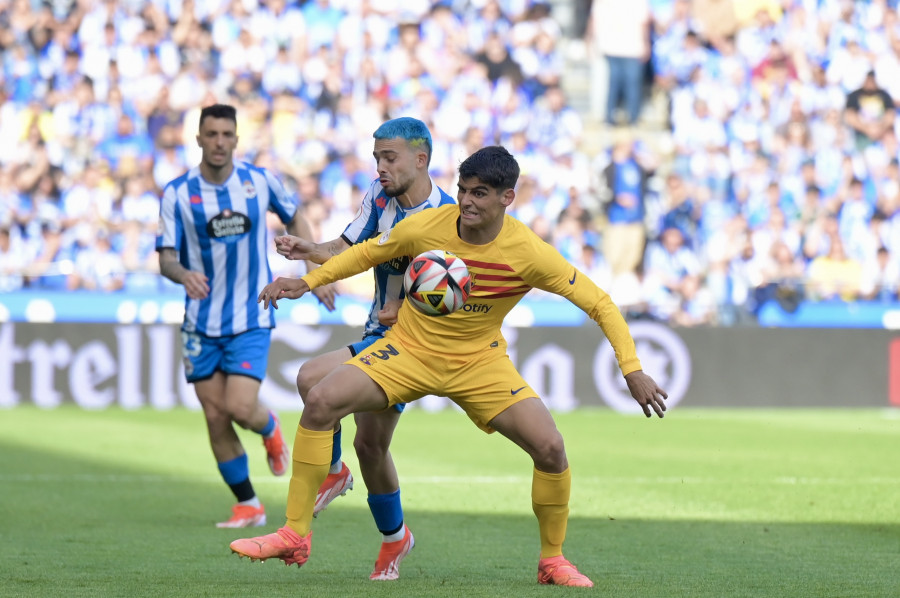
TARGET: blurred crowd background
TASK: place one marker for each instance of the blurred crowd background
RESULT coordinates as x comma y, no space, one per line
697,158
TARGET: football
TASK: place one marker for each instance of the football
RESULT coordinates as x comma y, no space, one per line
437,282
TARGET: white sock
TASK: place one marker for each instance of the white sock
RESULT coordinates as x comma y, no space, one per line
253,502
336,467
396,537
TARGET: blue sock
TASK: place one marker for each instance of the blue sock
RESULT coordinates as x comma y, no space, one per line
387,511
236,474
270,426
336,448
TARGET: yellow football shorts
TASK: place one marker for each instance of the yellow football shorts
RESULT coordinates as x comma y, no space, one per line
483,384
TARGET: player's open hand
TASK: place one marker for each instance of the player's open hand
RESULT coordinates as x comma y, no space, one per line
294,248
387,315
282,288
647,393
326,295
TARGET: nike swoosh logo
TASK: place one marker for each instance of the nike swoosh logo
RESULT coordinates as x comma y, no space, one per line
516,391
574,274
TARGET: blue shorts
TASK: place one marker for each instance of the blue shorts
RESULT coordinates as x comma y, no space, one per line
356,347
245,354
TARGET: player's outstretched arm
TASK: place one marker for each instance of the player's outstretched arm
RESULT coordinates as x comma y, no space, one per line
296,248
300,237
647,393
282,288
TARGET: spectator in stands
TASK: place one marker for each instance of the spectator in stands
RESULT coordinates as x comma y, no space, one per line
98,267
881,278
51,261
13,261
553,119
834,275
667,265
127,152
696,306
773,231
496,57
869,112
625,180
619,34
681,212
781,277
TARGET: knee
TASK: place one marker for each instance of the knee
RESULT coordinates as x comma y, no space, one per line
216,417
369,449
550,455
242,413
306,379
316,410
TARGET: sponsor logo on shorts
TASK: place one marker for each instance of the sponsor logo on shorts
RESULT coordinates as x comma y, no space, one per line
574,274
246,365
188,366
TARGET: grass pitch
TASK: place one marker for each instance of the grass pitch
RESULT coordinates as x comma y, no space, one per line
705,503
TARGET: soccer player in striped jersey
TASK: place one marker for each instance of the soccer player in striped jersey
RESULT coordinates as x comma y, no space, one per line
212,239
402,152
461,355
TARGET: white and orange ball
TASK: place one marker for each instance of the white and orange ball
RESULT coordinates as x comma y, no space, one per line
437,282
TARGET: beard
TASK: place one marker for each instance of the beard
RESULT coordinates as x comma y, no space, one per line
397,188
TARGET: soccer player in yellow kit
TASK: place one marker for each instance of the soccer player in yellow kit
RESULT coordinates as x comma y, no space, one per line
461,355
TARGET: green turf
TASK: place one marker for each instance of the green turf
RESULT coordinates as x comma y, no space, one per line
705,503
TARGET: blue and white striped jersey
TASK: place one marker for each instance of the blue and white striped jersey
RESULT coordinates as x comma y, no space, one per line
220,230
379,213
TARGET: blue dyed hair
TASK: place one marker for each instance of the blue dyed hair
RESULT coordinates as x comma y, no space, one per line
413,130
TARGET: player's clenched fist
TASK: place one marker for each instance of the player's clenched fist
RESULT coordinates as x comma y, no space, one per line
294,248
282,288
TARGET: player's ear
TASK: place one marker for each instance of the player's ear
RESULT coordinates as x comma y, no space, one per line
507,197
198,141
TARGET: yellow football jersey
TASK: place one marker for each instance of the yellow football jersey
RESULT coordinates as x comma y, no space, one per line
503,271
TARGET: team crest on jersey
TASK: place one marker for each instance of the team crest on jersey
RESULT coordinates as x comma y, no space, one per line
384,238
196,200
228,226
249,190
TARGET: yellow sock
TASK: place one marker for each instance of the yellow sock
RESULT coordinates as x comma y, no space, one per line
312,457
550,501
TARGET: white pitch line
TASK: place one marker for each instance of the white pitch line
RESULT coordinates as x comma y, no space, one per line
471,480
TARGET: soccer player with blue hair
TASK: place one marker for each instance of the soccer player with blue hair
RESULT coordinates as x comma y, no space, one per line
462,355
402,152
212,239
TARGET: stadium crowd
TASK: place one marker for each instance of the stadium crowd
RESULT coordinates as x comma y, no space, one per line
780,180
